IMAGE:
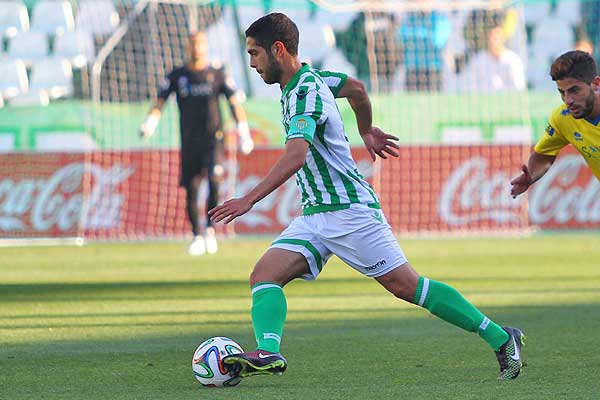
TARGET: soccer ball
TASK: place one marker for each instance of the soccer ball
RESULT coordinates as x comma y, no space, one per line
207,362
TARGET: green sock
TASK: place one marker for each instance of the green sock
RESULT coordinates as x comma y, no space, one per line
269,309
448,304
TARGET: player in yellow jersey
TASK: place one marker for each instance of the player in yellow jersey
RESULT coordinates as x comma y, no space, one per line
576,122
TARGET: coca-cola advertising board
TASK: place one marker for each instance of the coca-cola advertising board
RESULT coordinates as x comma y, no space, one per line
467,188
135,194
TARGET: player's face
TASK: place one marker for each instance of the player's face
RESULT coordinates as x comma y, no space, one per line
496,40
198,47
577,95
264,62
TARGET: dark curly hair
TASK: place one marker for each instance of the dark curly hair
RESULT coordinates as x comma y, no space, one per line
272,28
574,64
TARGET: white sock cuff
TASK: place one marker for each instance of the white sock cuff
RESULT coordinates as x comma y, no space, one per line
424,291
263,286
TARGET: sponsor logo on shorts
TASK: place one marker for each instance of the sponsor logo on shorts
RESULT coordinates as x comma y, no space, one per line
377,216
379,264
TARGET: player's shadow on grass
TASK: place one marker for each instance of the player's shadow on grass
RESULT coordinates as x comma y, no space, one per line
239,289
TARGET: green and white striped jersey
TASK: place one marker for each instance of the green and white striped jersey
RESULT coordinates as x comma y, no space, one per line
329,179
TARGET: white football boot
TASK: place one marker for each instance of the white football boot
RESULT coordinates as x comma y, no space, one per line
210,240
197,247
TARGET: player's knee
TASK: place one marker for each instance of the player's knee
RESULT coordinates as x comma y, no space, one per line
404,291
260,274
401,282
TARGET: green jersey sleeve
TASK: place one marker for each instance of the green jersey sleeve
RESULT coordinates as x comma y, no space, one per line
335,80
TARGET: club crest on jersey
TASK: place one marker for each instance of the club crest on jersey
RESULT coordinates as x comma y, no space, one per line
183,84
578,136
302,92
301,124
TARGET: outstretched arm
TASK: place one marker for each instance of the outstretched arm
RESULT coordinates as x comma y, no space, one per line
246,143
150,123
377,142
536,167
291,161
355,92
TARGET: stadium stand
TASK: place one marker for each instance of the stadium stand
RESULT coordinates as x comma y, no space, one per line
536,12
339,21
77,46
550,38
52,17
13,18
31,99
568,11
54,76
99,17
13,78
335,61
318,41
28,46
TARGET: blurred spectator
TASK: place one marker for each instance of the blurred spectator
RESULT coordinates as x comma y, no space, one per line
424,35
478,23
495,68
582,41
386,49
590,18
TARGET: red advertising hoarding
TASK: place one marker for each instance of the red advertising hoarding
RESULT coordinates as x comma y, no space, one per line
135,194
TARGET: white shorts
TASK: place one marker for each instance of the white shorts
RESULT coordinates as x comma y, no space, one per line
360,236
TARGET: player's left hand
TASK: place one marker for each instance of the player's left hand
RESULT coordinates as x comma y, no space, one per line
230,210
378,143
246,142
247,145
521,183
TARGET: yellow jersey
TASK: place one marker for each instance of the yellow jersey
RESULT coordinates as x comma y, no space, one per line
583,134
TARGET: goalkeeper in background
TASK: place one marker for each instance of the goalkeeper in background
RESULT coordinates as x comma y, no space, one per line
198,85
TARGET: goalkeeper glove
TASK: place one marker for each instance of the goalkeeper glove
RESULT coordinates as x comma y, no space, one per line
246,143
149,125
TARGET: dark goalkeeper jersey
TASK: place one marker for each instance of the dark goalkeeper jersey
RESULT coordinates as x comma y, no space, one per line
198,100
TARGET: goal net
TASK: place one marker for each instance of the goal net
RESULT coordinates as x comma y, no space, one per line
463,84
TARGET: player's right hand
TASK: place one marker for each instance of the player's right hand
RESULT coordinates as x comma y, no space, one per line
378,143
230,210
149,125
521,183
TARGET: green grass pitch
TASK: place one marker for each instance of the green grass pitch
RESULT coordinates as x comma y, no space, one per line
121,321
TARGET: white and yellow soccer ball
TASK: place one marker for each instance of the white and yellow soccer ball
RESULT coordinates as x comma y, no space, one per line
207,362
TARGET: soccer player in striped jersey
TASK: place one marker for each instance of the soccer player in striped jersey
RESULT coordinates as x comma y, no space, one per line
340,211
